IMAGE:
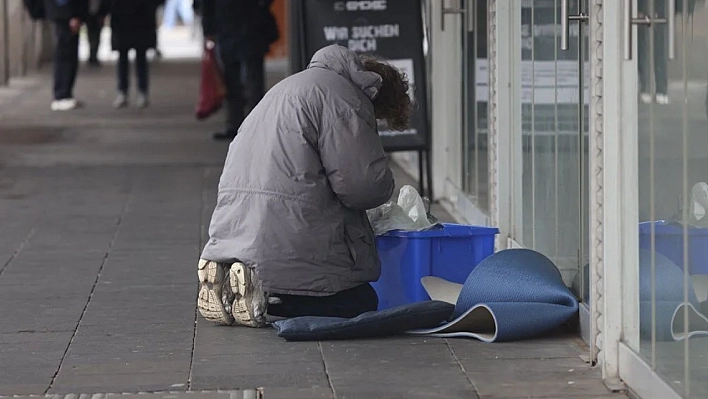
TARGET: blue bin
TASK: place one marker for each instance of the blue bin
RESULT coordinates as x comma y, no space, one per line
449,252
669,242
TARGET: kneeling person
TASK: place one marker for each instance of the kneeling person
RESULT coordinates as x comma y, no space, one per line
289,235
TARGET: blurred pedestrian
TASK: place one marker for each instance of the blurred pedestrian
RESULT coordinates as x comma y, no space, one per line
157,53
174,9
243,31
67,17
660,44
133,27
94,25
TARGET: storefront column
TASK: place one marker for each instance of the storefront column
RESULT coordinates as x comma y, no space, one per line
612,198
504,20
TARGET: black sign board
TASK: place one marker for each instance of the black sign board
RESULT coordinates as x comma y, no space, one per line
391,29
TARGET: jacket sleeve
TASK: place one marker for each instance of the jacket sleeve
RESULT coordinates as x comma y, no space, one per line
355,163
79,8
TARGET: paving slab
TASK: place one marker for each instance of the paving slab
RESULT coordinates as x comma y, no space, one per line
430,369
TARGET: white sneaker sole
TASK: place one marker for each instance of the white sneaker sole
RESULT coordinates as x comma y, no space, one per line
65,105
250,304
211,284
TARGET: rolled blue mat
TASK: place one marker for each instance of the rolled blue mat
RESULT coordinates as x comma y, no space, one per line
511,295
383,323
670,308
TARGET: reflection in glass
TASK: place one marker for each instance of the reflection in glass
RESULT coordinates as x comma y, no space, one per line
673,161
475,150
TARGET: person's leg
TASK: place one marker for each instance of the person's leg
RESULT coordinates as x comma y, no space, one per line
254,81
169,16
348,303
235,102
143,76
123,78
93,28
186,13
123,71
62,60
73,61
142,71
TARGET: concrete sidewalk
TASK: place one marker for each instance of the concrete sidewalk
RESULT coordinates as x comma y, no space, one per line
103,215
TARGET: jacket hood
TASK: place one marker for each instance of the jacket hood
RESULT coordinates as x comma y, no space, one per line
348,65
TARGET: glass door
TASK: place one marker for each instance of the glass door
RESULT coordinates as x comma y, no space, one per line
554,117
667,40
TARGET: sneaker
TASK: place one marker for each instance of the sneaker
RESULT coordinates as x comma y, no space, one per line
662,99
94,63
121,101
645,98
215,294
251,303
66,104
142,101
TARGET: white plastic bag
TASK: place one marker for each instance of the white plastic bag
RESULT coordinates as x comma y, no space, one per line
409,214
698,211
413,205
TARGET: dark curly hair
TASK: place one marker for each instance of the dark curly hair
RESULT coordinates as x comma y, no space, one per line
392,104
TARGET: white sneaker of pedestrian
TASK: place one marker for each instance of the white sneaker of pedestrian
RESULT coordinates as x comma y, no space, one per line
215,294
645,98
662,99
121,101
251,303
66,104
142,101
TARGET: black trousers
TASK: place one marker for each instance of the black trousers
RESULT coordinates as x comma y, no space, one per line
141,71
660,59
348,303
245,86
66,60
94,25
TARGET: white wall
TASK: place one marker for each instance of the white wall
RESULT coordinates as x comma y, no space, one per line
446,106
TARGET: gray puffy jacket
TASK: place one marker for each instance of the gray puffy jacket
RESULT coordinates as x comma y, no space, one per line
306,165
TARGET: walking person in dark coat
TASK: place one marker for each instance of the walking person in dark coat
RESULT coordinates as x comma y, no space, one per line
133,27
67,17
243,31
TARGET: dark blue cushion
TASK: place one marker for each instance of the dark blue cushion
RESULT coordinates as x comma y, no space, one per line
383,323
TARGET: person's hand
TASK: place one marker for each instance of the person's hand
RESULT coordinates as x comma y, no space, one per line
75,25
209,42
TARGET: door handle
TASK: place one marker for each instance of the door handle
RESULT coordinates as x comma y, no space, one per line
448,10
471,15
565,22
648,21
670,15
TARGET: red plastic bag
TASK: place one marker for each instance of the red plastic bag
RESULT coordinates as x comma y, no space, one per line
212,90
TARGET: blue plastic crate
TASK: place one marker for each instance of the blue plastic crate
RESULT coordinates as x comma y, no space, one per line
449,252
669,242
